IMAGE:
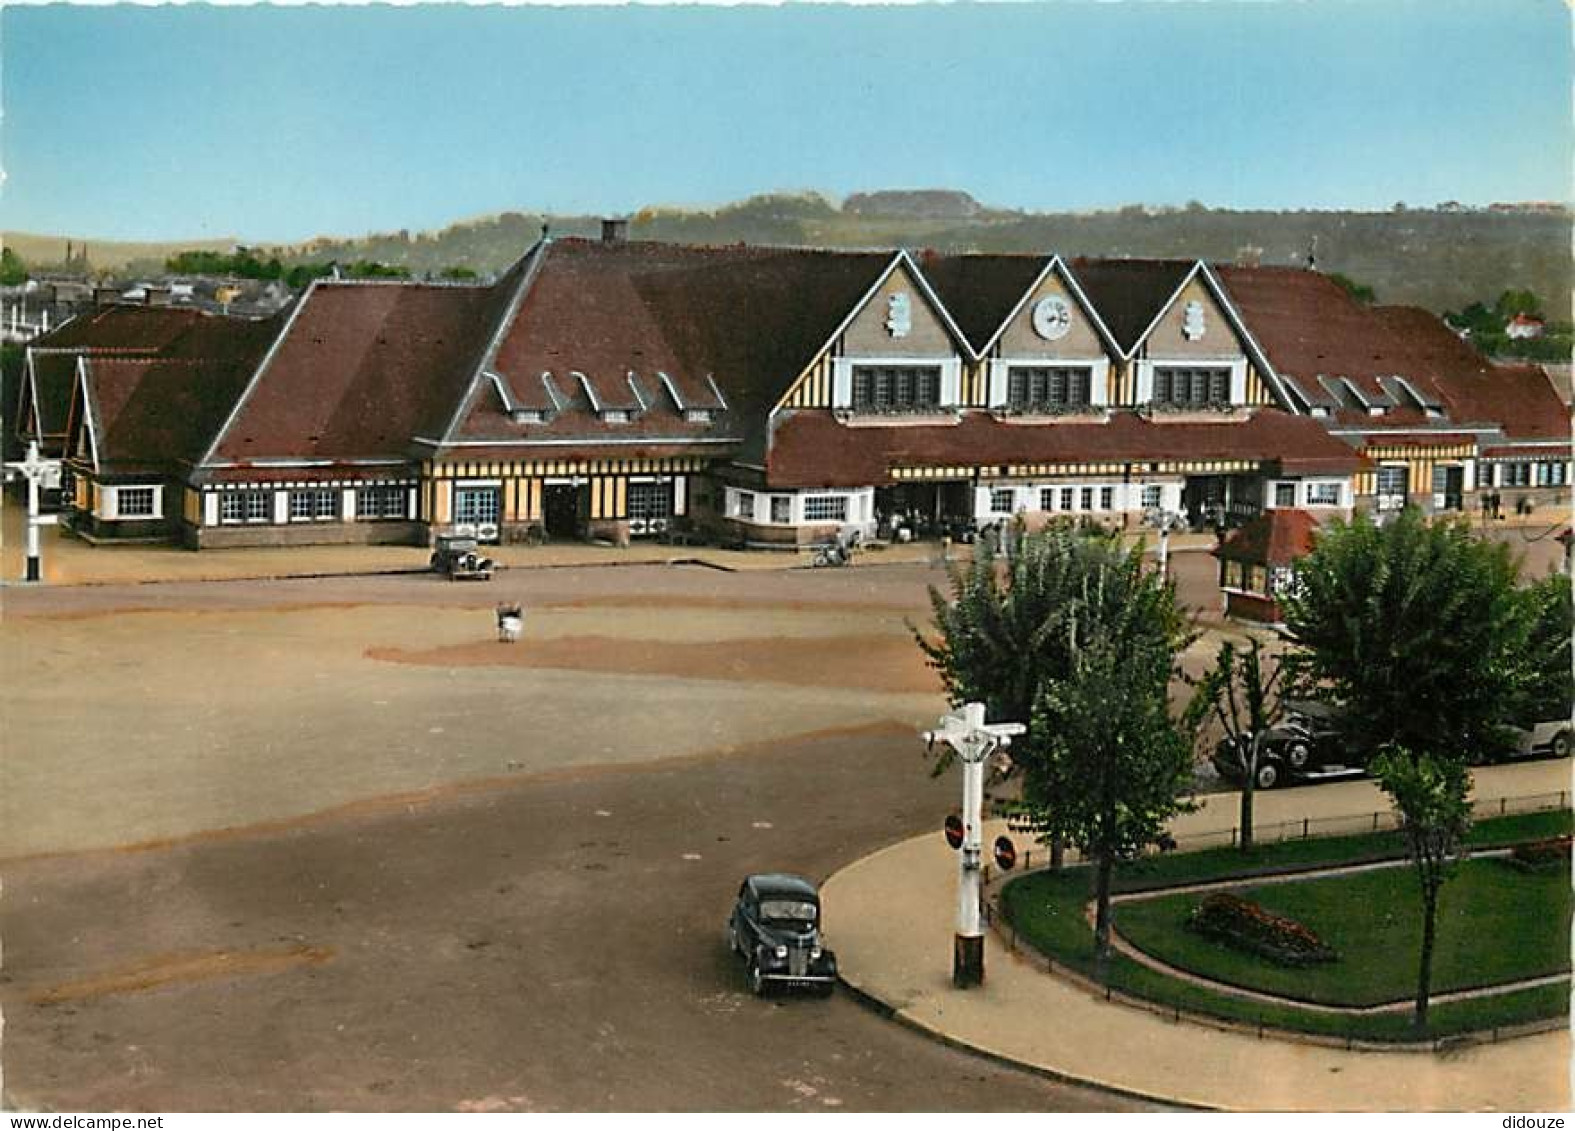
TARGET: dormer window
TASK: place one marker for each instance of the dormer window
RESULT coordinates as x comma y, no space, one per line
615,416
699,415
528,416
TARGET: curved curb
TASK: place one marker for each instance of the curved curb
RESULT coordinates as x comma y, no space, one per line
890,1012
872,1001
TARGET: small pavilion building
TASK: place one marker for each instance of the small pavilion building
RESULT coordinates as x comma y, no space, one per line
1258,562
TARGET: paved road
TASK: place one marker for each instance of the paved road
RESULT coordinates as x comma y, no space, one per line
531,940
547,946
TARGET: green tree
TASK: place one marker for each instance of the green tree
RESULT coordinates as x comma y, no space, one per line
1008,631
1431,795
1415,630
13,272
1549,689
1361,292
1243,694
457,272
1114,764
1513,302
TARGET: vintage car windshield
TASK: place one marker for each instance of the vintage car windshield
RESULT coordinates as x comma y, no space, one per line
788,912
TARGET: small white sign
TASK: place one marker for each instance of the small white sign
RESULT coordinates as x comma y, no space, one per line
1192,321
899,314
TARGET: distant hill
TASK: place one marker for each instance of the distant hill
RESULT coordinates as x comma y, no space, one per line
1441,259
103,255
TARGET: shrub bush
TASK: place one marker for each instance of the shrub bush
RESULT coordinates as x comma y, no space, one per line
1542,855
1245,925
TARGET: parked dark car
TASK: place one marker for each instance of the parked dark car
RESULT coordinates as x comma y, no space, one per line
775,929
1304,745
461,558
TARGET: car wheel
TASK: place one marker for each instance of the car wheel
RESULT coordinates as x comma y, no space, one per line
757,980
1268,775
1562,742
1298,754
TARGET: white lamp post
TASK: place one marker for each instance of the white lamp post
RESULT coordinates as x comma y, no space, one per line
974,740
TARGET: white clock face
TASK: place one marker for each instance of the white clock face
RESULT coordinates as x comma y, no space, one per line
1052,317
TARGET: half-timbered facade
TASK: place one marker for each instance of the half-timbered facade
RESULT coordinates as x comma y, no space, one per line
773,396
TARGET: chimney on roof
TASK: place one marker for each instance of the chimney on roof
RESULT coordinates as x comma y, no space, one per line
615,231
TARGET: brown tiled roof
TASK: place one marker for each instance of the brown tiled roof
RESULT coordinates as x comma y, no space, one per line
1129,293
123,328
748,318
362,369
980,291
1311,328
1401,439
1276,537
813,449
158,412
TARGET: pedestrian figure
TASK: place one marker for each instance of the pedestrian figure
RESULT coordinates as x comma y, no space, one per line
511,623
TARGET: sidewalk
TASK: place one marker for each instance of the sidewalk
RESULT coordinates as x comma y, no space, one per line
71,561
896,949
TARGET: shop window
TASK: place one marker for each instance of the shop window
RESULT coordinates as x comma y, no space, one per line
1002,500
781,509
1153,496
744,506
1285,494
1515,474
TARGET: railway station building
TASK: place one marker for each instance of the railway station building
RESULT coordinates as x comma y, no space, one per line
767,396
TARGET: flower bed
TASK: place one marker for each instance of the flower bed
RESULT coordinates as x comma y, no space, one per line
1245,925
1542,855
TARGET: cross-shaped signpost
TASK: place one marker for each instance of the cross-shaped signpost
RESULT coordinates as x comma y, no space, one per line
33,468
974,740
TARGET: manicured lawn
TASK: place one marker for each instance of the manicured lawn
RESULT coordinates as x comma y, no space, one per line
1495,925
1047,910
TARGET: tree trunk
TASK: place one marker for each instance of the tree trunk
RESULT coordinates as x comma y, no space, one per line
1057,853
1249,790
1424,977
1102,912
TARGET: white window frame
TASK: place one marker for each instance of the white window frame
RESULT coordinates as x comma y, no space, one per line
741,504
385,492
243,499
1390,501
841,501
314,496
996,495
842,378
1144,391
1313,487
115,509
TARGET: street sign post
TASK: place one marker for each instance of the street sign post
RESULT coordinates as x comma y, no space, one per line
974,740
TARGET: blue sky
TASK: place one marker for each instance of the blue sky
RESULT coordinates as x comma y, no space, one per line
276,124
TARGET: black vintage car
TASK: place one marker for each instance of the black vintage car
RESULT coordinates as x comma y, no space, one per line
775,928
1304,745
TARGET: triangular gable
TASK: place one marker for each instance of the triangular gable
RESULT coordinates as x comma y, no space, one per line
28,423
1054,279
1201,285
915,280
